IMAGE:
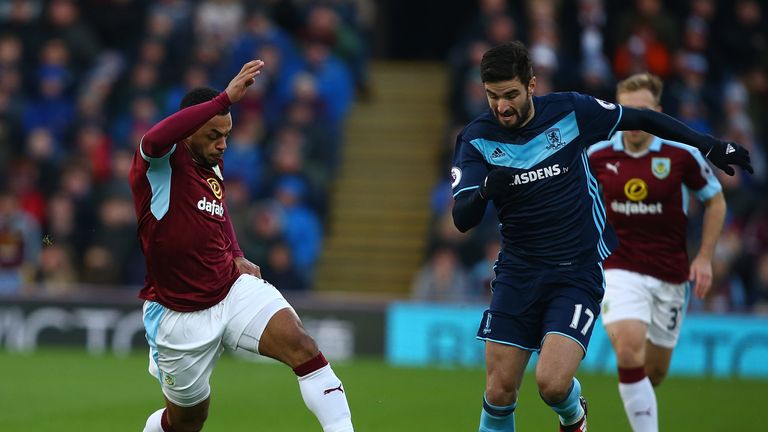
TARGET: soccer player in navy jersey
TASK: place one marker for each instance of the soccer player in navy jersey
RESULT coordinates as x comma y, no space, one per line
647,183
201,294
527,154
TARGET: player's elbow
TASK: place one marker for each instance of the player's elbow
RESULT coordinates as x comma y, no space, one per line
467,211
148,144
461,227
461,221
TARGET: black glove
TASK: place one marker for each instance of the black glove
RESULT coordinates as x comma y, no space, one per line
497,183
723,154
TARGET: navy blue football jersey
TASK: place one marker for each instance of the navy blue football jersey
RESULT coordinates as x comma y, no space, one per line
553,214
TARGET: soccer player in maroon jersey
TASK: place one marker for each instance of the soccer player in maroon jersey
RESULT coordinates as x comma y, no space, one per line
201,294
647,183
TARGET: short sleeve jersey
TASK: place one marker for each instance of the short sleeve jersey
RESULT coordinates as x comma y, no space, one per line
647,199
553,214
181,216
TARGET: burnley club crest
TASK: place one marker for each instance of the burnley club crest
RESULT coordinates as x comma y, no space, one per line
660,167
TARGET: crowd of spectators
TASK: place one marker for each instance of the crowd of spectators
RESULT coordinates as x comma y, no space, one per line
82,81
713,58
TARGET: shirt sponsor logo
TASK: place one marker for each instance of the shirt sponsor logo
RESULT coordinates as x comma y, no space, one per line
630,208
636,189
212,207
215,187
535,175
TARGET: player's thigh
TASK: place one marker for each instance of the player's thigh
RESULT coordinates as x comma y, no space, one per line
573,304
262,321
505,366
184,348
670,302
286,340
627,297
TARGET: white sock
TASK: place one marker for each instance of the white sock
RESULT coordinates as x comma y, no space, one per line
153,422
640,405
325,397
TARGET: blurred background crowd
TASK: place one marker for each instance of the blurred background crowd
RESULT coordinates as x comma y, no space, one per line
82,81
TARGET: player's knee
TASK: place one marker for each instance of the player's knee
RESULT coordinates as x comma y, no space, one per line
300,348
627,356
305,346
553,389
500,394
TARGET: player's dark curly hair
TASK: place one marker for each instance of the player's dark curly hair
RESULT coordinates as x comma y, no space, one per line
506,62
199,95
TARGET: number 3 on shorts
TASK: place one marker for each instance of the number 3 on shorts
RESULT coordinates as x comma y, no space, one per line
577,315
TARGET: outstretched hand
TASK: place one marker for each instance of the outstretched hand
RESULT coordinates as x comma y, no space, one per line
240,83
497,183
723,154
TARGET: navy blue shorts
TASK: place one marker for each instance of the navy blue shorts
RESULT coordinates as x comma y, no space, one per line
527,304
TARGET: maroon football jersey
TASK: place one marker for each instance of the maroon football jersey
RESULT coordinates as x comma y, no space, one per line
646,199
183,228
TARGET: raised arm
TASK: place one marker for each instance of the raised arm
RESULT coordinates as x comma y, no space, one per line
174,128
162,136
721,153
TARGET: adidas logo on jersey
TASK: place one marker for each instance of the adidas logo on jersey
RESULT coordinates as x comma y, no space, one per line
497,153
212,207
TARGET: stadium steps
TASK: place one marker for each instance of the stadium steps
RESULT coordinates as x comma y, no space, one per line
379,212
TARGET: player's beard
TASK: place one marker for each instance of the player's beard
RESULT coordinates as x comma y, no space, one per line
522,115
206,161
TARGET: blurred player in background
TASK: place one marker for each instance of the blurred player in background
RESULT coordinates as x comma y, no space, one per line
646,182
528,155
201,294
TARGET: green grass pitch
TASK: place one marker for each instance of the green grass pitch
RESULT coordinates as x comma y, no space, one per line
66,390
